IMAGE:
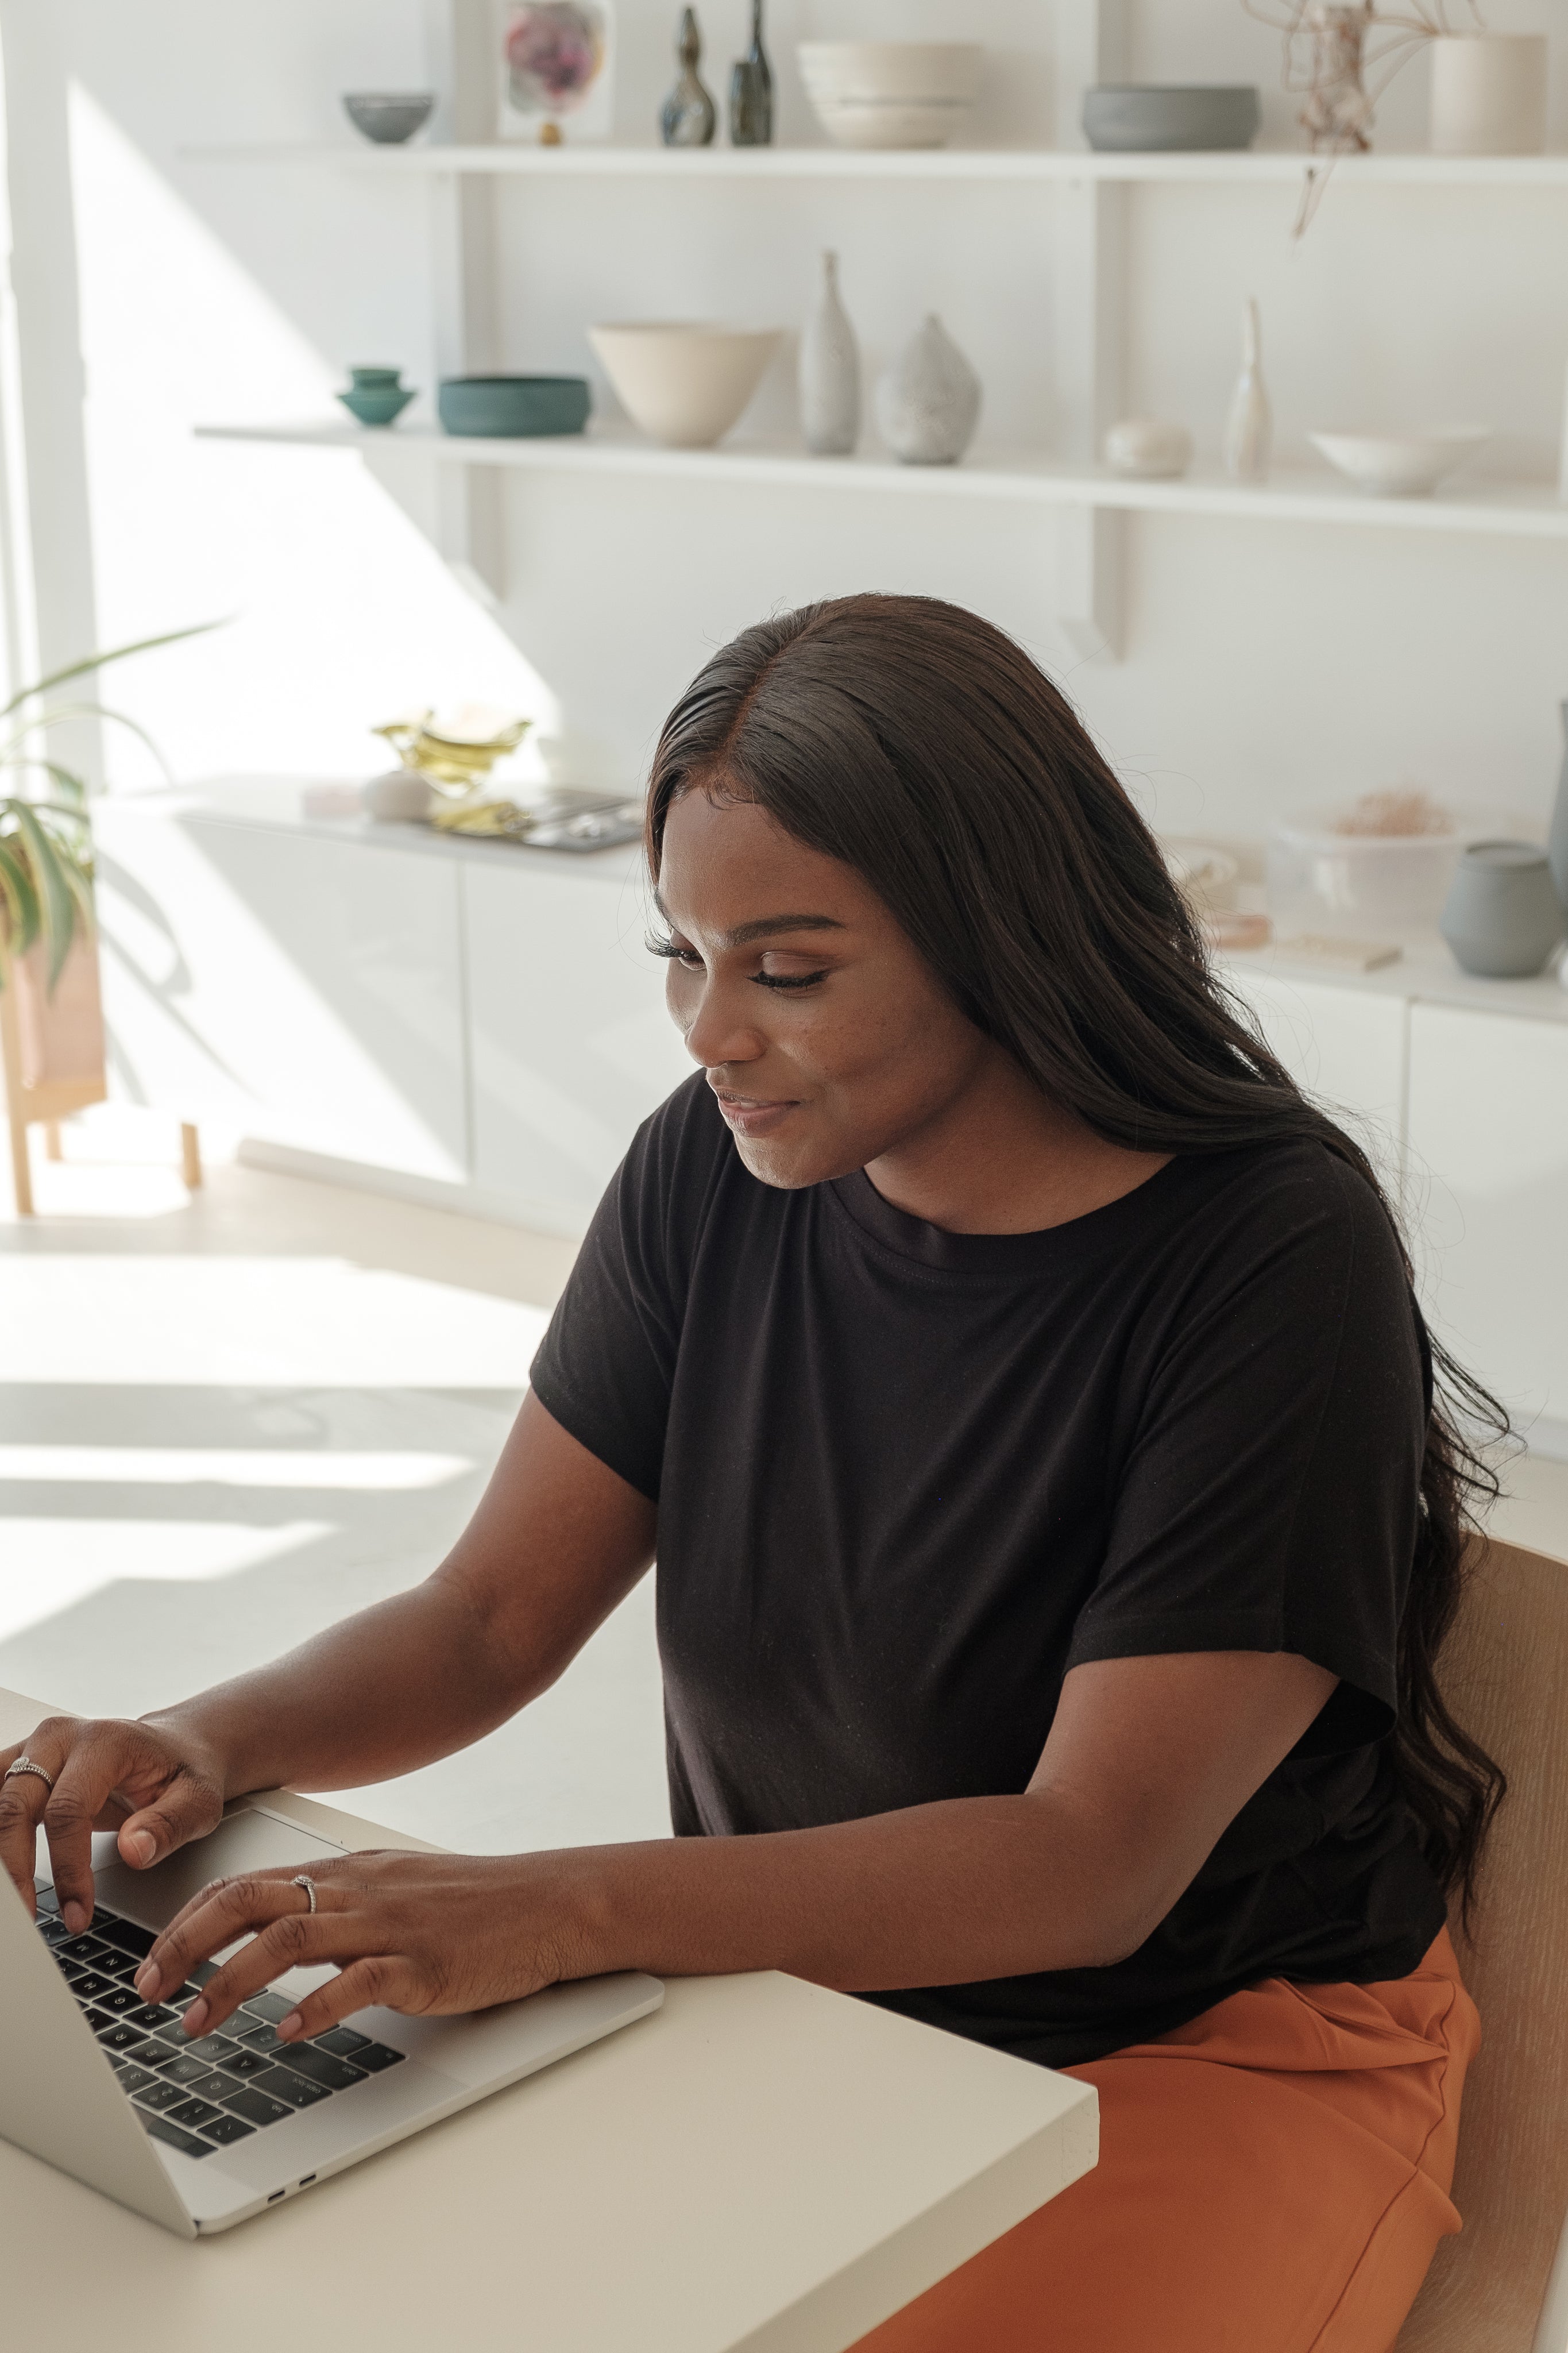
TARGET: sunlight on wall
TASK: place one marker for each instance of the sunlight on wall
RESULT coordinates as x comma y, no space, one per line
342,613
52,1565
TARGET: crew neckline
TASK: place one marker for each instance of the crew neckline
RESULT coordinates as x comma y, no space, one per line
937,1250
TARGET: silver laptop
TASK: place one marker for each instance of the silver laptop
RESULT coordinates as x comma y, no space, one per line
201,2135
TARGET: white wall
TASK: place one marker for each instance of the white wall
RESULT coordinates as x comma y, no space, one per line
1265,665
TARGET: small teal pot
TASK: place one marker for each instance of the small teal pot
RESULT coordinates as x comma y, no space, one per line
375,395
1502,918
513,408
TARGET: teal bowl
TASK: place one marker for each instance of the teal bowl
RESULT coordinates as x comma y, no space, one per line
512,406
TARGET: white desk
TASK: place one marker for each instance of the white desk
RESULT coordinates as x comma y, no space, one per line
761,2165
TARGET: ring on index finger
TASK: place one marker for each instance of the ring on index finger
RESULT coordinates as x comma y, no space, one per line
26,1764
303,1879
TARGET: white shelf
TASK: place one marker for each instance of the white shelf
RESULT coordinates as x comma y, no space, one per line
1514,510
908,163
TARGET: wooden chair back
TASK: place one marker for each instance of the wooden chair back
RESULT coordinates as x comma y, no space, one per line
1506,1677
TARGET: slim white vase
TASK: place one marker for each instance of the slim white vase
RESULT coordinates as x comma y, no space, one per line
928,404
830,373
1489,94
1249,426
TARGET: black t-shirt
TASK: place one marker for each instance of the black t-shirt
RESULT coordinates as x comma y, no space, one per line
907,1478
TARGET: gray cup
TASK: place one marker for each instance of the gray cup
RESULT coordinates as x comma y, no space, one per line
1502,918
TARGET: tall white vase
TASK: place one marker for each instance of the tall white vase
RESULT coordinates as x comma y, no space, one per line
1489,94
928,404
830,373
1249,428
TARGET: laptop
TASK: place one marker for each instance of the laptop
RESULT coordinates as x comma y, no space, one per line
201,2135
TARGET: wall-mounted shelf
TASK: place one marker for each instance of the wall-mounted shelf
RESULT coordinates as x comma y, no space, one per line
1515,510
1044,164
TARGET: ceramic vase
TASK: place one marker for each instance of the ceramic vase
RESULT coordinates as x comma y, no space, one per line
688,116
1147,450
1502,917
375,394
752,92
928,404
830,373
1250,426
1557,838
1489,94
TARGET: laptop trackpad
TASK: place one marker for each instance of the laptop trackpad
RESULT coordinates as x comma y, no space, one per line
242,1842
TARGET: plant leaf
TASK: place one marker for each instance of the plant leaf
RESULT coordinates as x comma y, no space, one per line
18,899
57,912
99,662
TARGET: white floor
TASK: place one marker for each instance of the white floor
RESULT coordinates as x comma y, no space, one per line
226,1420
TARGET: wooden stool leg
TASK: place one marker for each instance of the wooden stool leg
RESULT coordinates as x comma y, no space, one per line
21,1171
52,1143
190,1156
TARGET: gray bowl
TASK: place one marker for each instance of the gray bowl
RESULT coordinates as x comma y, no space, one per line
389,117
513,408
1502,918
1130,119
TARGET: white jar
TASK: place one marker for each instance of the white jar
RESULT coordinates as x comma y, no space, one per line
1489,94
1147,450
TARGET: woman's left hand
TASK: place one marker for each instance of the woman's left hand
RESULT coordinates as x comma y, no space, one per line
418,1933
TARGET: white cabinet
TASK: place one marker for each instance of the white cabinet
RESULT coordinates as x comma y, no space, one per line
304,989
1345,1046
1488,1149
570,1043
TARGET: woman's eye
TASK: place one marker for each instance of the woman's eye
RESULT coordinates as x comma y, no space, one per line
674,952
789,980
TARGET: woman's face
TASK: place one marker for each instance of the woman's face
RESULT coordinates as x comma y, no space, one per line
826,1039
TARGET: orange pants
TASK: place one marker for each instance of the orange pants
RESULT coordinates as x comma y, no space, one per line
1273,2178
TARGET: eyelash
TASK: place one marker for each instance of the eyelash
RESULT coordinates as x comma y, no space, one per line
763,979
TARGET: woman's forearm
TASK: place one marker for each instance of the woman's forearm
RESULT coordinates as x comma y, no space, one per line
938,1894
392,1688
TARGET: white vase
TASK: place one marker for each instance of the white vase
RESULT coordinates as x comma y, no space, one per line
1249,426
1489,94
928,404
830,373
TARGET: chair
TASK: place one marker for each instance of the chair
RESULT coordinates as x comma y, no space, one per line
1506,1676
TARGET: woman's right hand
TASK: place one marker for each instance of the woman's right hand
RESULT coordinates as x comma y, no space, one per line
156,1785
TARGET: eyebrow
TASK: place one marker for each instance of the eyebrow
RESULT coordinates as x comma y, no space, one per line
768,926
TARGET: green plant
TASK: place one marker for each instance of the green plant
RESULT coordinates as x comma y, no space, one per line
46,835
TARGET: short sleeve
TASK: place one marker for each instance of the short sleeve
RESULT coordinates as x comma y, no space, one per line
606,1366
1269,1492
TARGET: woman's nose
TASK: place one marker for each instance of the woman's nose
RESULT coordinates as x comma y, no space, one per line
718,1034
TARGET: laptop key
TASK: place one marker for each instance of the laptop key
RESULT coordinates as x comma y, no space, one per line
261,2039
319,2066
89,1987
44,1896
184,2071
245,2063
118,2000
192,2112
225,2129
159,2097
137,1942
282,2084
272,2007
256,2107
151,2016
211,2086
85,1948
134,2079
52,1929
376,2056
160,2128
211,2048
99,2019
121,2037
342,2042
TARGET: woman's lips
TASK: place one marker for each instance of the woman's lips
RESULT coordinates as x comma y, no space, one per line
750,1116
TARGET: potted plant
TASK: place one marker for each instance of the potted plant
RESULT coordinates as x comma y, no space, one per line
51,1013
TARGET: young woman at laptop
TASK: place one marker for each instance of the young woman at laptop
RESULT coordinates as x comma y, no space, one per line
1057,1525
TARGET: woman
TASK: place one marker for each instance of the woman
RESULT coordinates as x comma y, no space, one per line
1057,1530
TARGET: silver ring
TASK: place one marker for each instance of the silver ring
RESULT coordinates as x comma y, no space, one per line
302,1879
26,1765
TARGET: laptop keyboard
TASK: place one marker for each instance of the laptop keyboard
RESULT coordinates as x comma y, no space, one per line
203,2095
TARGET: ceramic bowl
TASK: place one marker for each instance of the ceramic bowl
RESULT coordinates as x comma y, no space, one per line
1148,449
891,94
389,117
1400,465
513,408
1127,118
684,383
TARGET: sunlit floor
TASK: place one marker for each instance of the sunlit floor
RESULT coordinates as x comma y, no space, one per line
226,1420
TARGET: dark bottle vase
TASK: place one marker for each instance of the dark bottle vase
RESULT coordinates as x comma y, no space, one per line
689,117
752,92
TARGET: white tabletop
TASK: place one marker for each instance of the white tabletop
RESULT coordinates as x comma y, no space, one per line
760,2164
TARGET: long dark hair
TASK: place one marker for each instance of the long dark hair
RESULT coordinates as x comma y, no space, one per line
920,746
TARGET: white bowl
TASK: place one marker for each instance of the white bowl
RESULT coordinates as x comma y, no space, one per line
684,383
891,94
1400,465
1362,885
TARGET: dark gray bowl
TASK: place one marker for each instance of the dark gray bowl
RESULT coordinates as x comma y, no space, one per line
1129,118
387,116
513,406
